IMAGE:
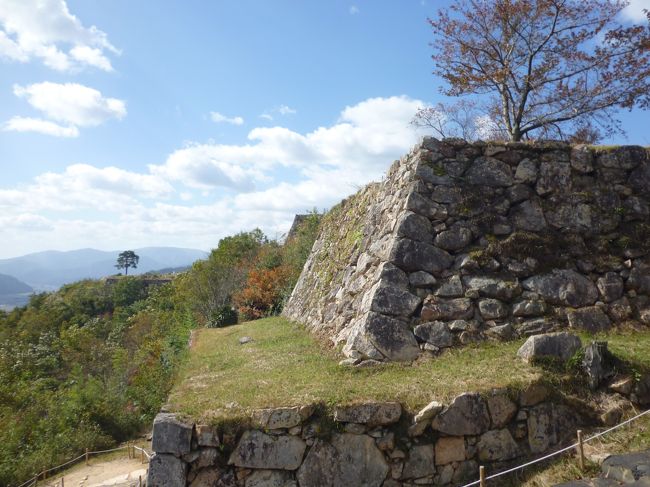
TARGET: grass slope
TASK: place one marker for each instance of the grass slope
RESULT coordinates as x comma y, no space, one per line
284,366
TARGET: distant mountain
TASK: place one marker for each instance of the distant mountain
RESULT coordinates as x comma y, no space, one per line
46,271
11,285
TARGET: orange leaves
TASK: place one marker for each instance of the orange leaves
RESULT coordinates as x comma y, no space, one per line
262,293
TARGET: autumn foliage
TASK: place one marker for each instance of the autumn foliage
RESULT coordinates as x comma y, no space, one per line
262,294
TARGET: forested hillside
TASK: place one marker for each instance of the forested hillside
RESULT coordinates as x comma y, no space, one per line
89,365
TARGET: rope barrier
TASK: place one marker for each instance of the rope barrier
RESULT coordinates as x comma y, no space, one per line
559,452
33,481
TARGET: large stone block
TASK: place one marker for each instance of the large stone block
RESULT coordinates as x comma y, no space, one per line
258,450
170,435
166,471
411,255
371,414
560,345
466,415
564,287
419,462
450,449
497,446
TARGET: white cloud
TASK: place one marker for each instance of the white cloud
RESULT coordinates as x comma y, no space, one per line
266,116
45,29
220,118
275,174
71,103
634,11
354,10
285,110
27,124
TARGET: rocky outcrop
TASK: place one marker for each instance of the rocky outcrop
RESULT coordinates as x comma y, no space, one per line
465,242
365,444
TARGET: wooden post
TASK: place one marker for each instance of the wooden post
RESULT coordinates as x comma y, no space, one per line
139,480
581,451
142,455
62,482
86,456
481,473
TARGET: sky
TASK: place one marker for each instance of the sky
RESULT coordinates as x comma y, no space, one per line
176,123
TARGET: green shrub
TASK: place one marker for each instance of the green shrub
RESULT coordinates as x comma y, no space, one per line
223,316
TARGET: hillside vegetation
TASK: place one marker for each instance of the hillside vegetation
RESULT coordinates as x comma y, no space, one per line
90,365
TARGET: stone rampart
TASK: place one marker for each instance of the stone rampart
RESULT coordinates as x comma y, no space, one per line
369,444
466,242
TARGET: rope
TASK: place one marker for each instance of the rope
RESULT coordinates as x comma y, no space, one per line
35,478
558,452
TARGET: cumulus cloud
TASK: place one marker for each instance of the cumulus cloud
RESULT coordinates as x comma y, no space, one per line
286,110
220,118
45,29
71,103
353,10
27,124
276,173
282,110
634,11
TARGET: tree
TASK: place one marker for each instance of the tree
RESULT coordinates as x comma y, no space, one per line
544,68
127,259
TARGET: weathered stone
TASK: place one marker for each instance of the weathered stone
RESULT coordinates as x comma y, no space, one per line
171,435
390,300
596,364
533,394
450,449
258,450
541,428
564,287
411,255
245,340
370,414
625,157
554,176
491,287
166,471
526,172
622,385
641,394
592,319
492,309
462,325
207,457
561,346
283,417
435,333
270,478
639,279
627,468
451,287
425,207
214,477
487,171
207,435
528,216
518,193
466,415
419,463
534,327
610,287
359,461
414,226
421,279
435,308
502,409
446,194
320,466
497,446
454,239
379,337
582,159
501,332
530,307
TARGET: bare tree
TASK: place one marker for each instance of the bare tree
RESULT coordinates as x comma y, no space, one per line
550,66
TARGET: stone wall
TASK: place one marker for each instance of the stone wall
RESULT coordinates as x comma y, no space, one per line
372,444
465,242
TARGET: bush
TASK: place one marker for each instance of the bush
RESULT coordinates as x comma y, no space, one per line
223,316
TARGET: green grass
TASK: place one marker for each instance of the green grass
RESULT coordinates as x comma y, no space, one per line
286,366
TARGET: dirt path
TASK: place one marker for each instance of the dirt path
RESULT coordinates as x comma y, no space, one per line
117,472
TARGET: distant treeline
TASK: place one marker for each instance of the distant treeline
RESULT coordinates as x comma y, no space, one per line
90,365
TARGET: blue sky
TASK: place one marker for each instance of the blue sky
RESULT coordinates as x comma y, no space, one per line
126,124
